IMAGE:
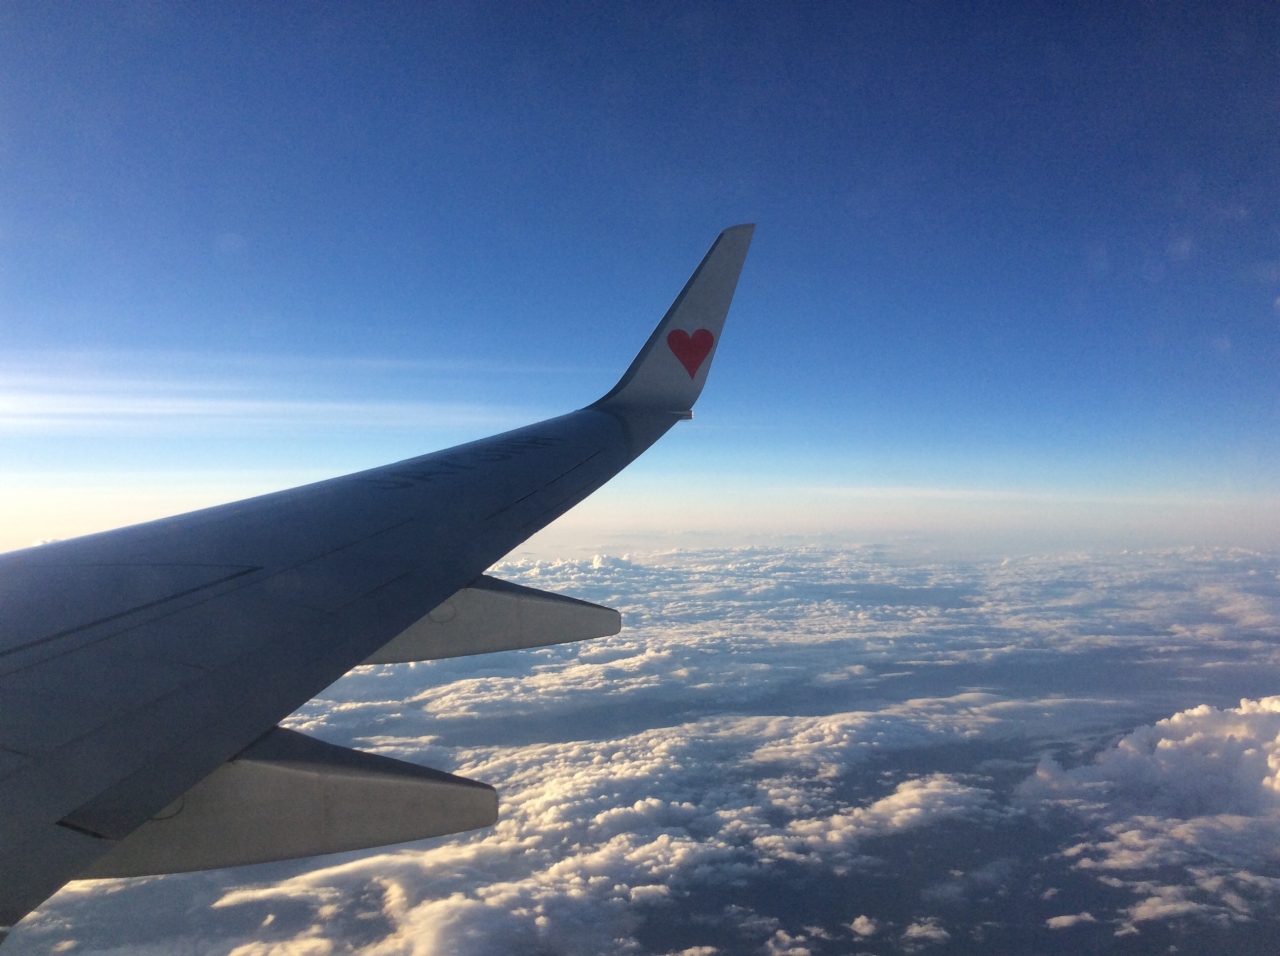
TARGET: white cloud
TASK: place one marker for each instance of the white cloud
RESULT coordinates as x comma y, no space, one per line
1203,773
1198,791
1066,922
1163,902
913,804
864,926
316,946
924,932
784,944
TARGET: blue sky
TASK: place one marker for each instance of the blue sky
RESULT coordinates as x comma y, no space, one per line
1002,249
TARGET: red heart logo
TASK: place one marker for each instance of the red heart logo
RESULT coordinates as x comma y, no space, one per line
691,350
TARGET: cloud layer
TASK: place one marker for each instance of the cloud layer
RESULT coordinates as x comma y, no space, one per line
792,751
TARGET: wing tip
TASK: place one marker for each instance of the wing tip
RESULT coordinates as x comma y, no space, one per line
671,379
743,231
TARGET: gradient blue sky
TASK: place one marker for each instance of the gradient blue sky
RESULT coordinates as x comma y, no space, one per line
1006,253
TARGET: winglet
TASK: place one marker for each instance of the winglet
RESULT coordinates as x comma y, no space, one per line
669,372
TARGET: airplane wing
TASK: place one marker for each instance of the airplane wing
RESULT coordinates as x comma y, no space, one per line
143,671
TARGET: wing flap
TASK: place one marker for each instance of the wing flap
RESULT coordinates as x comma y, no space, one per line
290,796
493,615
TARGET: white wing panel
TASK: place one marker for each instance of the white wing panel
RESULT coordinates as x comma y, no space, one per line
493,615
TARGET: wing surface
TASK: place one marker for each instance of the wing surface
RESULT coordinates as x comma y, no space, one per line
136,662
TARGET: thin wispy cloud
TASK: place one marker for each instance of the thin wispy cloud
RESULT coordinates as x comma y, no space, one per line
172,393
33,362
111,411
